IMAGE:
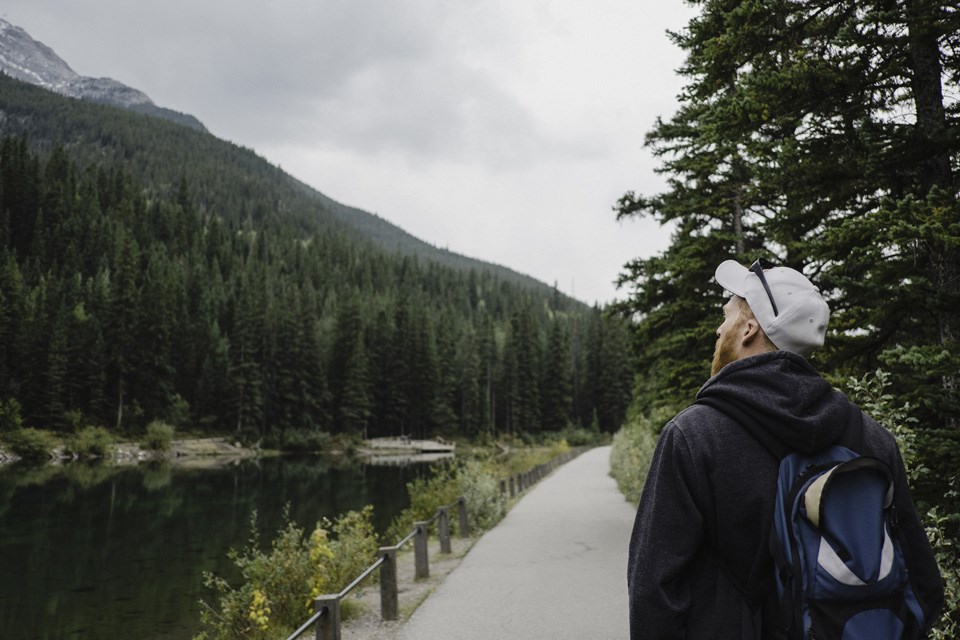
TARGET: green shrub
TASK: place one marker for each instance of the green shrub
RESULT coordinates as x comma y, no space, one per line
354,547
178,413
277,587
521,460
480,488
93,442
159,436
426,496
477,483
871,392
10,419
580,437
32,444
945,548
632,451
270,599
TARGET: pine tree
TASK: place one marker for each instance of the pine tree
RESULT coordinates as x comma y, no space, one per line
556,388
121,322
246,351
349,374
525,345
817,134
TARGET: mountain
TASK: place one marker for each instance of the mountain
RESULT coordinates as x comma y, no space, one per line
155,151
224,177
26,59
152,271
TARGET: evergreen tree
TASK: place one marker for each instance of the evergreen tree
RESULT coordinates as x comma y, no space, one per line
123,303
525,346
122,317
556,388
246,384
349,376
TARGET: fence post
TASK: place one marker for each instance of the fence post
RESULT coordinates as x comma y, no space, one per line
328,625
389,607
503,487
444,529
519,483
513,490
464,523
420,560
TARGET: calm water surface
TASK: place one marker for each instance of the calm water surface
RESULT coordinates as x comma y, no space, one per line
108,553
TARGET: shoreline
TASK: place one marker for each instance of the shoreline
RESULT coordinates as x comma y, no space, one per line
220,451
184,451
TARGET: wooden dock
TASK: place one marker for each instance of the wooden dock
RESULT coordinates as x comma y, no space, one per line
402,445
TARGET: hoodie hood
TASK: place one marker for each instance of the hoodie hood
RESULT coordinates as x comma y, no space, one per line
781,396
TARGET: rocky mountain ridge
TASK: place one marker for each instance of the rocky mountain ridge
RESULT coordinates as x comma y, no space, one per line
28,60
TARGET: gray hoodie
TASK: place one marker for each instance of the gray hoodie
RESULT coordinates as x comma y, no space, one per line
699,566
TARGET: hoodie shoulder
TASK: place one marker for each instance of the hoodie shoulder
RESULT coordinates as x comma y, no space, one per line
701,424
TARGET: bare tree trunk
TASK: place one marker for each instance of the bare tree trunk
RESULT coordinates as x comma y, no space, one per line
120,403
935,171
927,84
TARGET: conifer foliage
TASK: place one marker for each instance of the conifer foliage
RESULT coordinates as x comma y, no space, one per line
823,135
122,304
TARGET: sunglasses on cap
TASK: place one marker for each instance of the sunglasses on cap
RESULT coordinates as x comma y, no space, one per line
757,268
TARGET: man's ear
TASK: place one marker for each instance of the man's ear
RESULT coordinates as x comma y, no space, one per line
751,333
752,338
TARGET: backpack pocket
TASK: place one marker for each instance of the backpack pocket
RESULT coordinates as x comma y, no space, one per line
883,619
850,552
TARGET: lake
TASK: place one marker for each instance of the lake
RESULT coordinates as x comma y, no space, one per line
100,552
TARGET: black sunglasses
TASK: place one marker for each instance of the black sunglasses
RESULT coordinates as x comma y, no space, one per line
758,267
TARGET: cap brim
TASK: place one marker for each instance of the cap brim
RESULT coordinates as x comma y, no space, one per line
732,276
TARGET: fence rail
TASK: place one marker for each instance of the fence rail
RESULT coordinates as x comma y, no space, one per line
326,608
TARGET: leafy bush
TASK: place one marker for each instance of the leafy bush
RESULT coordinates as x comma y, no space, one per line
580,437
270,600
178,413
480,488
525,459
632,451
945,548
871,392
354,547
32,444
95,442
159,436
277,587
476,482
10,419
426,496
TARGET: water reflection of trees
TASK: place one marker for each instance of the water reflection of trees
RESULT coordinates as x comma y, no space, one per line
108,549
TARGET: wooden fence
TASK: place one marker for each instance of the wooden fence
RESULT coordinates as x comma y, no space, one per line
326,617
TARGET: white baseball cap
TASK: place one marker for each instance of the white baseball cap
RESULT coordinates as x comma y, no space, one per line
788,307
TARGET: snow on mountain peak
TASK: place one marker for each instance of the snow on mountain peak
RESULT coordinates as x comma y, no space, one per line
30,61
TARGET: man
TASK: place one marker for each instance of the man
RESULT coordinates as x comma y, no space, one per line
699,565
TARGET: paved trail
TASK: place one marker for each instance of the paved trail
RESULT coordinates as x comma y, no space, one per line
555,568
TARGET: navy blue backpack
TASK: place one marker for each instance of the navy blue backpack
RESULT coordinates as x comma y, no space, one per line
840,569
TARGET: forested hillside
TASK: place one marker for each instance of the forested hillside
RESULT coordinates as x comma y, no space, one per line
227,181
152,272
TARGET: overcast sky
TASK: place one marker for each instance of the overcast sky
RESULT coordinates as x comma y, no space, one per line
505,131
